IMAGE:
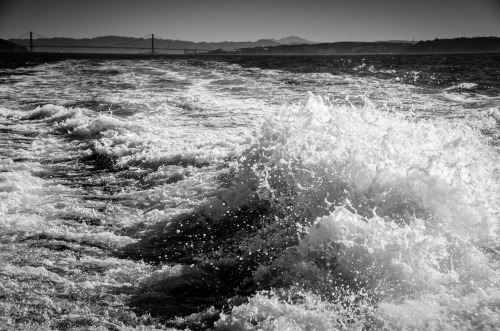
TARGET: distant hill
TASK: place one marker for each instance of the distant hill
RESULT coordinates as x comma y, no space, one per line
8,47
457,45
346,47
128,42
294,40
288,45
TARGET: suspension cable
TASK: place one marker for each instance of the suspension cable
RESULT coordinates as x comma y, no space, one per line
57,41
131,41
21,36
168,42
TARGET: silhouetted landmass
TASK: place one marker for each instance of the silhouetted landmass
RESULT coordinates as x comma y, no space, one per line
127,42
285,46
396,41
294,40
7,47
328,48
457,45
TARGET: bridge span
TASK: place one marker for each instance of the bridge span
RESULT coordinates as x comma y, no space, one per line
154,48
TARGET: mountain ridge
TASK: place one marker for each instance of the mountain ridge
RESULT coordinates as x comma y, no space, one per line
295,40
117,41
287,45
457,45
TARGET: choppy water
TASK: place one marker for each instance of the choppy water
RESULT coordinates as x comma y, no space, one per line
362,192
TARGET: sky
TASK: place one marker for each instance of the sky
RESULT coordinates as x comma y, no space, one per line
250,20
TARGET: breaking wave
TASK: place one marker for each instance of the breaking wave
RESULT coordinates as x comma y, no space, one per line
397,210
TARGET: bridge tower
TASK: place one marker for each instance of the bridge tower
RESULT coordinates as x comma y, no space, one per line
31,41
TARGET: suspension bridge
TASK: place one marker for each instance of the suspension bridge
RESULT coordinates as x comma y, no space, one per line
36,40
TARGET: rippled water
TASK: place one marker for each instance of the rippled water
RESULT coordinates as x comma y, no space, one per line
300,193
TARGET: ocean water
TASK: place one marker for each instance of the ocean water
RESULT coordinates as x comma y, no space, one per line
256,193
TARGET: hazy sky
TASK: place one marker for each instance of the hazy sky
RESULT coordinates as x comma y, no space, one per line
249,20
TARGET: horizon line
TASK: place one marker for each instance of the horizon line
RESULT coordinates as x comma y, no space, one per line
241,41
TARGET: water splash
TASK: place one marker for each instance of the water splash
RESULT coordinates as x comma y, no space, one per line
398,207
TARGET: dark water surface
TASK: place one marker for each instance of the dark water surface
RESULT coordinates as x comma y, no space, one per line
428,70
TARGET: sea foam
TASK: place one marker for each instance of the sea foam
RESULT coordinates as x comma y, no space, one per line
403,206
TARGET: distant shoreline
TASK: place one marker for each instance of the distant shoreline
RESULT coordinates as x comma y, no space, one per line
108,46
437,46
